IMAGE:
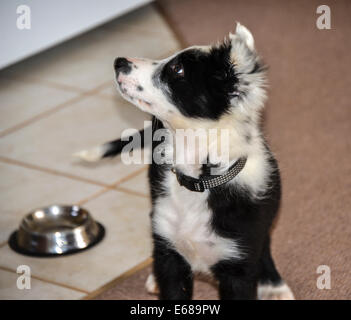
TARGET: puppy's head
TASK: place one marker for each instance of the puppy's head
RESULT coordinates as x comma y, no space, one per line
197,83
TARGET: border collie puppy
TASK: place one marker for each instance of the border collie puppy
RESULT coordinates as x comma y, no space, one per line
213,224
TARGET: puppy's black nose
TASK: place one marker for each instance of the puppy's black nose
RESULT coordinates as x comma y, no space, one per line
122,65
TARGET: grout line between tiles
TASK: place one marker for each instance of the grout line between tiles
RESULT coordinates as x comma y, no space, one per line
93,196
60,86
104,190
29,79
53,110
51,171
48,281
112,186
70,88
130,176
40,116
132,192
120,278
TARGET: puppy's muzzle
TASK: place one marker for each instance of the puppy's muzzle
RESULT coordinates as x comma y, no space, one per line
122,65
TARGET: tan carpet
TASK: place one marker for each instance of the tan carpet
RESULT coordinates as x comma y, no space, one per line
133,288
307,122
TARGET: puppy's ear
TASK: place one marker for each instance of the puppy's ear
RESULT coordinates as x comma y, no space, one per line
243,34
243,53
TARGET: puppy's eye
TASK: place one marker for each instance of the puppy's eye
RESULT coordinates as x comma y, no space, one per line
178,69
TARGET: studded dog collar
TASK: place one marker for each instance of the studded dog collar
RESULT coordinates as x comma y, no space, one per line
209,182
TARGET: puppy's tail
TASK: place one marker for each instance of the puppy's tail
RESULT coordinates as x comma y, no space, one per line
108,149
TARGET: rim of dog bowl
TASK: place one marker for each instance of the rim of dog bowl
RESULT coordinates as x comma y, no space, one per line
15,247
75,208
84,219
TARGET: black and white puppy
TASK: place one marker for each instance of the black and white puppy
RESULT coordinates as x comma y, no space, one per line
224,230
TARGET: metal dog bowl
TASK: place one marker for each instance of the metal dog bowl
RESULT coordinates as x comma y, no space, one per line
56,230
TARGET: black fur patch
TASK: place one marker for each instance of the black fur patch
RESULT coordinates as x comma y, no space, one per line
203,91
157,173
173,274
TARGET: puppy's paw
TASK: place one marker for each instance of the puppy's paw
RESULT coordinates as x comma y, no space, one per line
91,155
275,292
151,285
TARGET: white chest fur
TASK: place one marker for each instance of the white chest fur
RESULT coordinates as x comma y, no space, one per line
183,218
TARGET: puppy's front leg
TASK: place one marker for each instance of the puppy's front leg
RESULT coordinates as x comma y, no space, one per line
236,282
173,274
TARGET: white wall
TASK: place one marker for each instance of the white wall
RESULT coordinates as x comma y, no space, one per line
52,21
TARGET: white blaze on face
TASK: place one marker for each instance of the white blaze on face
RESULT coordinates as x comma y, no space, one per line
138,87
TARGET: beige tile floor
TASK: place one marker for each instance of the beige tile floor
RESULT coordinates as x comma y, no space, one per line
57,103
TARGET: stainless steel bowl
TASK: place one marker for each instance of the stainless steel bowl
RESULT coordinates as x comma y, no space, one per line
56,230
